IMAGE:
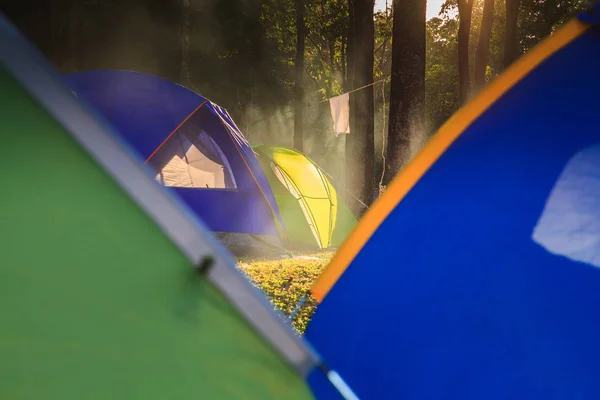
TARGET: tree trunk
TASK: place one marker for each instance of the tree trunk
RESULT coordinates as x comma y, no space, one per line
343,61
382,59
407,92
360,152
331,46
465,8
298,86
510,36
483,45
185,44
350,49
349,167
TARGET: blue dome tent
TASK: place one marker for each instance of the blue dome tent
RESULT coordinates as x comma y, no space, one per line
194,147
477,274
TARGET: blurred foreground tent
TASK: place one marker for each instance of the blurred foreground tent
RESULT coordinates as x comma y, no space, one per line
311,210
109,288
195,148
477,274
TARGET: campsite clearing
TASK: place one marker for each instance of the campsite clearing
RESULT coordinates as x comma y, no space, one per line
286,280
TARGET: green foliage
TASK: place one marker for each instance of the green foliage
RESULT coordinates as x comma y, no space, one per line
441,73
242,51
231,46
537,20
286,281
383,44
326,25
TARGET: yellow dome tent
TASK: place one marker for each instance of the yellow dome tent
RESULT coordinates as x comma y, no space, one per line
309,205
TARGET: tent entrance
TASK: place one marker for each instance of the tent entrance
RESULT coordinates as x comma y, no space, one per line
190,158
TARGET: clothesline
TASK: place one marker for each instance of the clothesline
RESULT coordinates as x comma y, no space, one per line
343,186
322,101
381,187
328,115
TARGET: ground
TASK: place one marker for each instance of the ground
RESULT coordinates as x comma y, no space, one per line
286,280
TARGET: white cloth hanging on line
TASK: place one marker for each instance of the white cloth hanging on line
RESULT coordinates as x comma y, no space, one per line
340,113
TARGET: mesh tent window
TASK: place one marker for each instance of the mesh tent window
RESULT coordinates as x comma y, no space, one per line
190,158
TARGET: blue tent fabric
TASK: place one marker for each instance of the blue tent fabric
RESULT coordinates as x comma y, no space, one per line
473,286
592,16
146,109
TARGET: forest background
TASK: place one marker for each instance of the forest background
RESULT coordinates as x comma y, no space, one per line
274,63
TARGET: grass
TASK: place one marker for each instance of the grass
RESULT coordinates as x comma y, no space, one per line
285,281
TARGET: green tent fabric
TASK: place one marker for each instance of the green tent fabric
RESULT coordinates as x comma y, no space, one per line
310,207
98,295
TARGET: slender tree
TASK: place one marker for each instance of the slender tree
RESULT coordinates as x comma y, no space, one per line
343,62
407,93
350,165
465,9
483,45
511,51
360,147
299,78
